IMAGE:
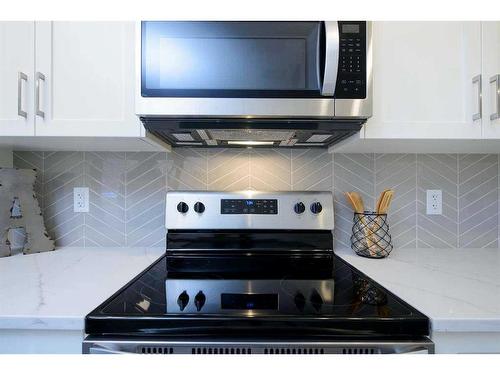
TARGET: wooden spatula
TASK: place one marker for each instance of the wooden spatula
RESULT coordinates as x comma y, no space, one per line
380,200
385,202
355,201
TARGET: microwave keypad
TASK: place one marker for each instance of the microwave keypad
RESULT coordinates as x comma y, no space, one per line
350,55
351,80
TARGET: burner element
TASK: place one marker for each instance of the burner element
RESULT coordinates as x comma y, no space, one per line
183,300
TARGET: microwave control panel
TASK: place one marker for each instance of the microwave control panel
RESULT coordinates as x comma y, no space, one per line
351,77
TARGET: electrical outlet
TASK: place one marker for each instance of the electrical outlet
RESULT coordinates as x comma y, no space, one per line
81,199
434,202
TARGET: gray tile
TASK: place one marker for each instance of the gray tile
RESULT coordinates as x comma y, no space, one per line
478,200
228,169
399,172
62,172
187,169
146,186
351,172
437,171
270,169
127,190
311,170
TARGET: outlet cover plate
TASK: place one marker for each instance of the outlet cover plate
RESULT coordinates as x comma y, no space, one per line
81,199
434,202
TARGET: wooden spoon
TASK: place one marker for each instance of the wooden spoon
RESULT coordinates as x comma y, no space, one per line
380,200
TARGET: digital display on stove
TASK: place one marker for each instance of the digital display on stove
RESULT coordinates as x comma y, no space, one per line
233,301
249,206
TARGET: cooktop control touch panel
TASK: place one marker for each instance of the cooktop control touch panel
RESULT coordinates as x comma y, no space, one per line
249,206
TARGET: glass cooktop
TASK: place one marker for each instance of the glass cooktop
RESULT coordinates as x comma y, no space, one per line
347,303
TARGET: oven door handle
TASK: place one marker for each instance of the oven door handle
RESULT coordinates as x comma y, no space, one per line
331,58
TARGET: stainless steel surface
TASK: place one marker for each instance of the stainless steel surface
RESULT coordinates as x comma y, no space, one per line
496,79
39,77
235,107
21,77
286,218
360,108
326,108
285,289
117,345
479,114
331,58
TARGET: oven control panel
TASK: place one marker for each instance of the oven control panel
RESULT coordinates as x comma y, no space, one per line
304,210
249,206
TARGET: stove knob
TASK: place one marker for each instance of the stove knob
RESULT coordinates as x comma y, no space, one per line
316,208
316,300
199,300
183,300
199,207
182,207
300,301
299,208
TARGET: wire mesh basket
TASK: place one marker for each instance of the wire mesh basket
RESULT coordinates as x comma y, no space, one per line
370,235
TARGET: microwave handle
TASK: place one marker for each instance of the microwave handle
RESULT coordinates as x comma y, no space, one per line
331,56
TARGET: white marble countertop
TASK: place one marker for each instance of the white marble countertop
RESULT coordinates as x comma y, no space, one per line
458,289
55,290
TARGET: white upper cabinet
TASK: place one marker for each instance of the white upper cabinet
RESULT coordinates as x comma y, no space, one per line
491,79
84,79
17,65
423,76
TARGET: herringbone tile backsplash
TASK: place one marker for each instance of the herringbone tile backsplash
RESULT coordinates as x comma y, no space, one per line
127,190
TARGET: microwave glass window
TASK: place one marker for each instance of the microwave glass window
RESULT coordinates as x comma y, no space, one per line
203,58
231,64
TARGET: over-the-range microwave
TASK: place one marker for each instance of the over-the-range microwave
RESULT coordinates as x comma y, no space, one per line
269,83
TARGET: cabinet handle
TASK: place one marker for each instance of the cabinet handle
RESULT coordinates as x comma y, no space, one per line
496,114
20,78
479,114
39,77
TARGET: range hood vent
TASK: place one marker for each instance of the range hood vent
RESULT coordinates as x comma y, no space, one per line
255,132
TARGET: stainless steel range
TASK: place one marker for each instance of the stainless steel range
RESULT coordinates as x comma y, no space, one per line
253,272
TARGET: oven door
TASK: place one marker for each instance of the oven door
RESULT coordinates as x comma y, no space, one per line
218,69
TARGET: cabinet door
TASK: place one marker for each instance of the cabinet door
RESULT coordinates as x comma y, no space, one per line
85,72
491,77
17,59
423,80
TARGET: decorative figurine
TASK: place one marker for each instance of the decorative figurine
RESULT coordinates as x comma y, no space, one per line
19,208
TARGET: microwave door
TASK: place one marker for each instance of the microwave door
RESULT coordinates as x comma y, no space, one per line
330,57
